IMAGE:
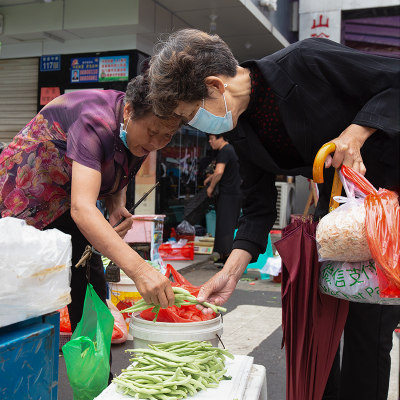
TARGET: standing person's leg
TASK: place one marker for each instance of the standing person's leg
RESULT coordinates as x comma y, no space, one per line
366,360
66,224
227,210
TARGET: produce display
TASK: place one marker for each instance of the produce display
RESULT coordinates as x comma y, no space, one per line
172,371
182,298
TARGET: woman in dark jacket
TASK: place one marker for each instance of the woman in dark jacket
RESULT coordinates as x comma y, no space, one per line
282,109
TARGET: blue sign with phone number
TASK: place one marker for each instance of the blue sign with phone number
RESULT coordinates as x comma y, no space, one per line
50,63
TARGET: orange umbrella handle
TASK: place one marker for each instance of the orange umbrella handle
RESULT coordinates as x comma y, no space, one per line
318,172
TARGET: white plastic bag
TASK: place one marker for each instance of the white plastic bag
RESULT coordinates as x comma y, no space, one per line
34,269
357,282
273,266
341,234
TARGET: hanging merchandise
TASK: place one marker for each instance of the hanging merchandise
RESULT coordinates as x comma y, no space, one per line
87,354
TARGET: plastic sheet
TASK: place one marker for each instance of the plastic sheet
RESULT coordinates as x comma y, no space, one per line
34,269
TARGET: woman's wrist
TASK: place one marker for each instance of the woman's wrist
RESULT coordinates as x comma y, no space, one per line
363,133
237,263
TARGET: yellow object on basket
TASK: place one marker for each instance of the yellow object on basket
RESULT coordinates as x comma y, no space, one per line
124,294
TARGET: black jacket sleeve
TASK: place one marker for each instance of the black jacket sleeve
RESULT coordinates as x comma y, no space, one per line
259,209
373,81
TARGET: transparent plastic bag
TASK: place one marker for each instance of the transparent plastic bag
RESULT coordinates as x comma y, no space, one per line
341,234
120,330
356,282
35,270
184,228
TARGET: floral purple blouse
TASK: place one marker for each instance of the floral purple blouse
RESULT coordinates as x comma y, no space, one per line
35,168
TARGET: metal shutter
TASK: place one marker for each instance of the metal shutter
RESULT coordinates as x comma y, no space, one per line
18,95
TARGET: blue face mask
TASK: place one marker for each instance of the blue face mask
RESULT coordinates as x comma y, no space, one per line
207,122
122,135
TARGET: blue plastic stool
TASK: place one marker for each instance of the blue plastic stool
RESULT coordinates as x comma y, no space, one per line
211,218
262,259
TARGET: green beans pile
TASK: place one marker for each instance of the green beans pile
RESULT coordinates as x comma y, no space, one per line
172,371
182,298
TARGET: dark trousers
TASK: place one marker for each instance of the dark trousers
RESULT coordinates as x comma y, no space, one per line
365,370
227,210
79,280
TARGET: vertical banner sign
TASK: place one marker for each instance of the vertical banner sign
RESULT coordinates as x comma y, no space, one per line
114,69
50,63
85,69
323,24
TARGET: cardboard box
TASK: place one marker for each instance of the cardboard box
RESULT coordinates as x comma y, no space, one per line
203,248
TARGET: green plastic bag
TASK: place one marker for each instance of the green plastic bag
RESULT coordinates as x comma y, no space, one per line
87,354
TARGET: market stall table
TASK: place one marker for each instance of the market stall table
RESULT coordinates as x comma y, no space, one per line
248,383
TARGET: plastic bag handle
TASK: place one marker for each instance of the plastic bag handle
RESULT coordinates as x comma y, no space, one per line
359,180
318,173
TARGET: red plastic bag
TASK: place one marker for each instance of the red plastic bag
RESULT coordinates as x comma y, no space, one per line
184,313
382,224
65,324
120,331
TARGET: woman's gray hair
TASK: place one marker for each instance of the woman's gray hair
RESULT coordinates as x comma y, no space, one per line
137,95
180,65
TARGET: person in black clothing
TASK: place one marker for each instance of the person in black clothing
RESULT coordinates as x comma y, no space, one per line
283,108
226,180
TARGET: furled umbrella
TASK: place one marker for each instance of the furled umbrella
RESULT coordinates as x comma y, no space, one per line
312,322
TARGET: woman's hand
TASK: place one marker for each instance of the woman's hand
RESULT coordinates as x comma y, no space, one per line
348,146
124,226
220,287
210,192
152,285
208,179
217,290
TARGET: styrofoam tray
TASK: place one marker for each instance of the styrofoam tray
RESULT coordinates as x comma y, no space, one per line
239,369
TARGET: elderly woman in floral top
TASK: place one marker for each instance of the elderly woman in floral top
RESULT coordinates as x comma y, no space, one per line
81,147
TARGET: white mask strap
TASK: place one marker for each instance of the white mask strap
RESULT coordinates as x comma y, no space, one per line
223,95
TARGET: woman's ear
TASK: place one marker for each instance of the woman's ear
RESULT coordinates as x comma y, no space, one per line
214,83
127,111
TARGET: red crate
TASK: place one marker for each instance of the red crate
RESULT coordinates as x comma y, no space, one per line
167,252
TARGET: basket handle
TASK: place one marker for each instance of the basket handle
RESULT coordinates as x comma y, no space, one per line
318,172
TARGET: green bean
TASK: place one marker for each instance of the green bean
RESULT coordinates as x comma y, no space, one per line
163,354
182,298
167,371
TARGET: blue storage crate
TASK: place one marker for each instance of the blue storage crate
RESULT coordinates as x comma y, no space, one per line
29,359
